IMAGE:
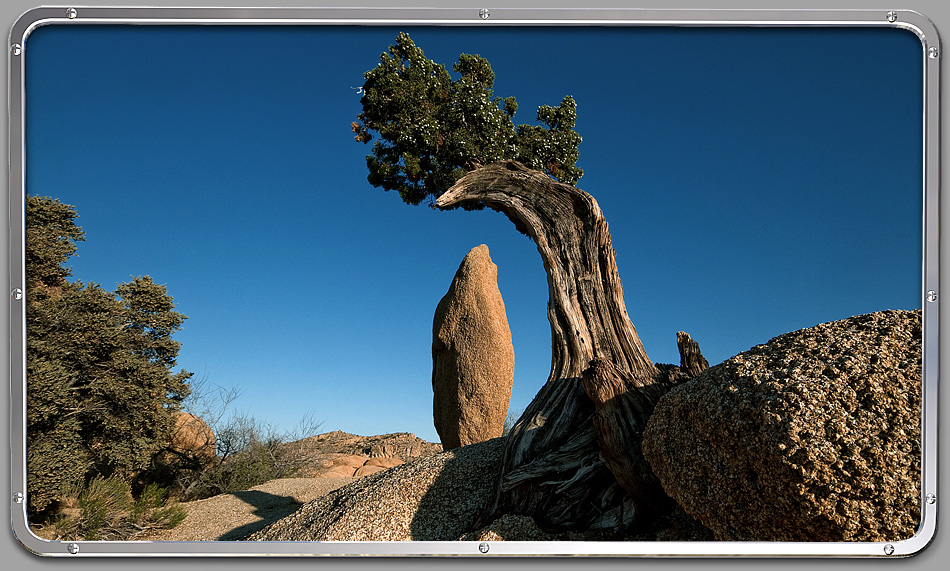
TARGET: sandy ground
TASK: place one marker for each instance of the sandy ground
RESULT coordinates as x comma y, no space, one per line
233,516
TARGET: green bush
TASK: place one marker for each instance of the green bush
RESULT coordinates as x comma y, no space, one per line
255,463
169,517
251,453
106,510
151,498
104,505
249,468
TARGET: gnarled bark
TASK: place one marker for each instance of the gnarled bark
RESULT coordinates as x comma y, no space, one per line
573,461
620,417
692,361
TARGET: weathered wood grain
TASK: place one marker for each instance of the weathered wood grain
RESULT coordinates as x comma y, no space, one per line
573,460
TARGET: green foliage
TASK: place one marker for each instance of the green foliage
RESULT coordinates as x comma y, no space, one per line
150,509
100,386
433,129
151,498
106,510
56,461
51,236
169,517
251,453
103,504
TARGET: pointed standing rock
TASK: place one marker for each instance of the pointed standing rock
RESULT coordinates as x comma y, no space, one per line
473,360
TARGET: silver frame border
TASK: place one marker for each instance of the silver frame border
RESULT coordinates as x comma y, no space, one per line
905,19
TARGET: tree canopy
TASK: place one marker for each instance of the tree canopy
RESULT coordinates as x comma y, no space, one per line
432,129
100,384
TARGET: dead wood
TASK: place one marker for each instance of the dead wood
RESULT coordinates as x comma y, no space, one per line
573,460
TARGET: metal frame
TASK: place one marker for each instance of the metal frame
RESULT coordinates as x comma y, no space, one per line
930,55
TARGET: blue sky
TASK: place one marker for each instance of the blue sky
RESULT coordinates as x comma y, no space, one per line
755,182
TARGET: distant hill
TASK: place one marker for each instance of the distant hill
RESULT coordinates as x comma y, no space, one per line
333,454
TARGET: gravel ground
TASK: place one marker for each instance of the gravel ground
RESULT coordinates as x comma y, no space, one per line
435,498
232,516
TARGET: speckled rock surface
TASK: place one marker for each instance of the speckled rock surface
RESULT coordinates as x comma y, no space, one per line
673,526
814,436
510,528
431,499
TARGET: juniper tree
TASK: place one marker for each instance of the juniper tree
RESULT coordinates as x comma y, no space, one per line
432,129
572,460
100,384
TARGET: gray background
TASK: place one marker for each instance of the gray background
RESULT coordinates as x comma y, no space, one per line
15,557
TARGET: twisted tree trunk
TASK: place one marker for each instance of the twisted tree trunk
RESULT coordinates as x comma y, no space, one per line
573,461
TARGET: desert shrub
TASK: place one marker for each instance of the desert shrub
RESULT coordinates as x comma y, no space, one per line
105,510
167,518
150,510
151,498
104,504
254,465
251,453
510,421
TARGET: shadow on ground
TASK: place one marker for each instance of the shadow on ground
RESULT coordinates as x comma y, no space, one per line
268,507
458,494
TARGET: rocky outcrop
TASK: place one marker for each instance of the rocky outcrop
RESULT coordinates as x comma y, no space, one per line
436,498
383,462
402,445
814,436
338,471
349,466
192,441
472,355
339,454
366,470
